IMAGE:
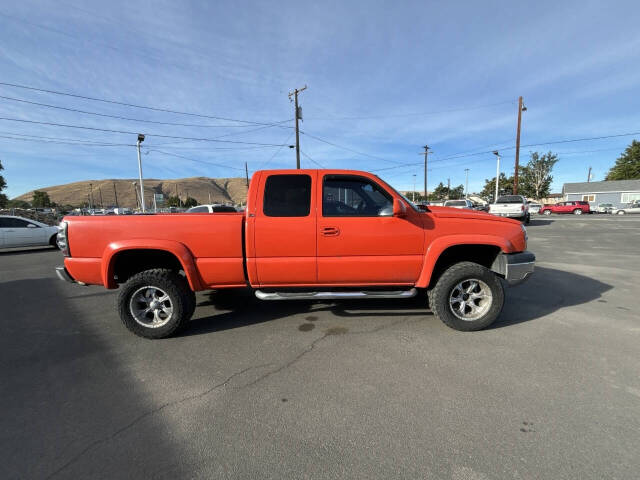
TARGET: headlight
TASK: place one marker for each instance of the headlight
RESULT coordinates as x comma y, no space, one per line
61,239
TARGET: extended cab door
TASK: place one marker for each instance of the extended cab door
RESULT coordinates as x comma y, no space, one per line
284,229
360,242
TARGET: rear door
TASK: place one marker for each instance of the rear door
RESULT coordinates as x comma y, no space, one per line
285,229
360,242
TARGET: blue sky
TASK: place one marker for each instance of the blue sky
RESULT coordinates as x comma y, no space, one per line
384,79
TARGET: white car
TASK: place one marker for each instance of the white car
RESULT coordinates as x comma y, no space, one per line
214,208
534,207
631,208
512,206
466,204
23,232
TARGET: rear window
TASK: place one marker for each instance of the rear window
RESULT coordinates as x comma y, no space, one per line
510,199
287,196
455,203
223,209
198,210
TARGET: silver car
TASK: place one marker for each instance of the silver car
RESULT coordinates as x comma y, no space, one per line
631,208
24,232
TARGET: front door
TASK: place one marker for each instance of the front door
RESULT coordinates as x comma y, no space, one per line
360,242
22,233
285,229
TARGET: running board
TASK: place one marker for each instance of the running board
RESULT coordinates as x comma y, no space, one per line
336,295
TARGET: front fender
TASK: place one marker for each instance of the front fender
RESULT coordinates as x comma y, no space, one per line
179,250
439,245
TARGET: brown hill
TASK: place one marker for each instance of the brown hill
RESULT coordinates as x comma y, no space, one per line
203,189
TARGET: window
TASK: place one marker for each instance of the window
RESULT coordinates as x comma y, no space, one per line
588,198
630,197
287,196
14,223
198,210
223,209
510,199
352,196
455,203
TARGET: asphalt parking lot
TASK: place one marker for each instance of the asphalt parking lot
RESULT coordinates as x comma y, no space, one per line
371,389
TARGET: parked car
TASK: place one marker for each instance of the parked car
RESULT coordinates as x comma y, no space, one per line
465,204
604,208
534,207
24,232
214,208
306,234
576,207
512,206
631,208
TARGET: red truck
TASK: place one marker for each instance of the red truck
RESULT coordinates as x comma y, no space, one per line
577,208
305,234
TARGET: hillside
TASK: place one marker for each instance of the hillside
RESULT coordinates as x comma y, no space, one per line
203,189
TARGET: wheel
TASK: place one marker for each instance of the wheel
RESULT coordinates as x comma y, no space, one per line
577,211
156,303
620,212
467,297
53,241
547,212
527,219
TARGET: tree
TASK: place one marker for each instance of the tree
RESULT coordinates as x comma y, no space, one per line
535,177
441,192
3,185
18,204
40,199
190,202
173,201
627,166
489,190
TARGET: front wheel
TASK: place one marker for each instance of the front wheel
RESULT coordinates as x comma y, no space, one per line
156,303
621,212
577,211
547,212
467,297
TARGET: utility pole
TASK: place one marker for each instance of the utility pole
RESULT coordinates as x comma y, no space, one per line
466,183
426,192
521,108
135,192
298,113
246,172
589,175
140,140
115,194
209,198
497,174
414,188
90,196
100,191
448,188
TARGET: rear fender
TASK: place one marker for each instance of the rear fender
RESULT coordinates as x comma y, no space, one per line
179,250
439,245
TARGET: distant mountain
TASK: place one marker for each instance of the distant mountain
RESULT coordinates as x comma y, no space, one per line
203,189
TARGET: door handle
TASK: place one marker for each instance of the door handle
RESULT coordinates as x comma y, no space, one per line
330,231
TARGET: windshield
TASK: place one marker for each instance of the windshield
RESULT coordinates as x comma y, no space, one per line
509,199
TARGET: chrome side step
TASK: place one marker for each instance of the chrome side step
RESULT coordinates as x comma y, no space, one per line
336,295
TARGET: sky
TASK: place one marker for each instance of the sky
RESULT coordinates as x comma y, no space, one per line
383,80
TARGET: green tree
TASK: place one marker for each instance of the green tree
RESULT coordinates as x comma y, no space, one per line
442,192
40,199
173,201
535,177
489,190
3,184
190,202
627,166
18,204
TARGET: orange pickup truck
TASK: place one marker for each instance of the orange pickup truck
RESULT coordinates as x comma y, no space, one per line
305,234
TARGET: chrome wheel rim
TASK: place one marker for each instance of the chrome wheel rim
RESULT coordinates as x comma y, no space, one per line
578,212
470,299
151,307
547,212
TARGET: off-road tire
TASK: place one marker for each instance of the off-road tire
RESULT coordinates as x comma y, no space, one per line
440,293
176,287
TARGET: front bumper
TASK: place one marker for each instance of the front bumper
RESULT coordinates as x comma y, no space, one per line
514,267
63,274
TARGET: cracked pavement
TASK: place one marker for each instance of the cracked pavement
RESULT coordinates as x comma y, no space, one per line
369,389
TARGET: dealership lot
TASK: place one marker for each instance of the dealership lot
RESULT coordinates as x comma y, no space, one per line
371,389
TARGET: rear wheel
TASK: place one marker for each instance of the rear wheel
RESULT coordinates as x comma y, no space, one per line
620,212
547,212
156,303
577,211
467,297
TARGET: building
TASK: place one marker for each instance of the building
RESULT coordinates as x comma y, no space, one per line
617,192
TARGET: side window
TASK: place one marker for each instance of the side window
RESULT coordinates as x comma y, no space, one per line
4,222
352,196
17,223
287,196
199,210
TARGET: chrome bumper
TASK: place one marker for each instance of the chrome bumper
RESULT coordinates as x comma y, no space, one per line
64,275
514,267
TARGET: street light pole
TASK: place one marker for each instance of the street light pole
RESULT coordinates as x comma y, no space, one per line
497,174
140,140
414,188
426,153
466,183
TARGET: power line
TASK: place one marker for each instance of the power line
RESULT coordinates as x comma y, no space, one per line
132,105
318,164
347,148
118,117
276,152
194,160
418,114
65,125
82,144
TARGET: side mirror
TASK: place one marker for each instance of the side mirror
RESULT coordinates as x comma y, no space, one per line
399,208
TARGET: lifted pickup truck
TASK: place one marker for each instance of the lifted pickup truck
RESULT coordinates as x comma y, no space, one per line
305,234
